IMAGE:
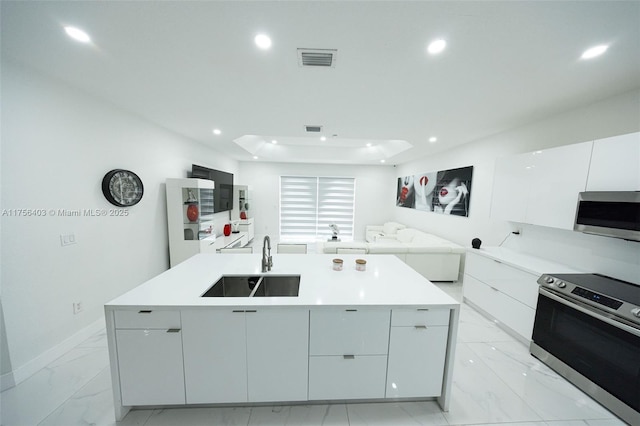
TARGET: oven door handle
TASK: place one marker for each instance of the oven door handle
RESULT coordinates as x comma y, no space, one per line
543,291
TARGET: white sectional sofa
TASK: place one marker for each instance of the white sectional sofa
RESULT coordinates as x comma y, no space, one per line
435,258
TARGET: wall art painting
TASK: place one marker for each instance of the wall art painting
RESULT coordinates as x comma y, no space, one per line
443,192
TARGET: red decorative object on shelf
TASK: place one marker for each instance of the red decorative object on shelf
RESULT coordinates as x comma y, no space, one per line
192,212
243,215
227,229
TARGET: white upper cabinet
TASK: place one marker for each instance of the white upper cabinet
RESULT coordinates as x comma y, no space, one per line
559,174
541,187
510,195
615,164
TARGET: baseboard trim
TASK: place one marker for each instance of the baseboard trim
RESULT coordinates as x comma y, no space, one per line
7,381
27,370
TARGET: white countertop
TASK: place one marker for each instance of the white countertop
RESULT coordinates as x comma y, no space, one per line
524,261
387,282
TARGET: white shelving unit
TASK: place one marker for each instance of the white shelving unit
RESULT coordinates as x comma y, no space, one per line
190,218
243,209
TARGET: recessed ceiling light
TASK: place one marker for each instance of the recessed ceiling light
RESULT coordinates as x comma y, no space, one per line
77,34
369,144
262,41
594,51
255,157
216,131
382,161
323,138
432,139
274,141
436,46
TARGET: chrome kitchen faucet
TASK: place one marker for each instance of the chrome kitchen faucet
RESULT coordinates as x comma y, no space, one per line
267,261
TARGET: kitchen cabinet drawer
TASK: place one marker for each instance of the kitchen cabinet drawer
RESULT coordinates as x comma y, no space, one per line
147,318
512,313
416,361
349,332
351,377
514,282
413,317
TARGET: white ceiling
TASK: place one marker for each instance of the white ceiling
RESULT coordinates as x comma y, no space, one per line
193,66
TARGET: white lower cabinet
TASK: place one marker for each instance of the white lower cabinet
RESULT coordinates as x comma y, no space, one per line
145,377
226,355
278,355
417,352
215,356
348,353
507,293
347,377
515,315
245,355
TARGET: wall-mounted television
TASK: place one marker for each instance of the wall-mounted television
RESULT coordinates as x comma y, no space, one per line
223,192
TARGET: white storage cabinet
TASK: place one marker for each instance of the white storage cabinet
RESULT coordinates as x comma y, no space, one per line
249,355
615,164
189,237
541,187
417,352
145,377
348,353
506,293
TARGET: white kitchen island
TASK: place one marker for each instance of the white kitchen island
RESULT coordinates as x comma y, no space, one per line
385,333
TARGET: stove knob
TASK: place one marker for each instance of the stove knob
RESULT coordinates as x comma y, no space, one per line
548,280
561,284
636,312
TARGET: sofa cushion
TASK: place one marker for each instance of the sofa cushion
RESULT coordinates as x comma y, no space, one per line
332,247
387,248
406,235
426,248
391,227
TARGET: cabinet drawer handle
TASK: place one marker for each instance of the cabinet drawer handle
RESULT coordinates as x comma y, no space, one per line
251,311
493,288
237,311
422,309
144,312
351,310
173,330
422,327
497,261
348,356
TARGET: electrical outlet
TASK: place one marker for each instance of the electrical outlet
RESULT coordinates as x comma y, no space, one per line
67,239
77,307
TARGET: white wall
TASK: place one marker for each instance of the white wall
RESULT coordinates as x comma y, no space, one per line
57,144
610,117
375,192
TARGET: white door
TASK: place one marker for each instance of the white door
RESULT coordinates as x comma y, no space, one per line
215,358
150,365
416,361
277,354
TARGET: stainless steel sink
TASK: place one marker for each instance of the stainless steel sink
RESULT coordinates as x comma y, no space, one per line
278,286
255,286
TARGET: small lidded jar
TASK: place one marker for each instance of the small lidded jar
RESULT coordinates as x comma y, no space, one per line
361,265
337,264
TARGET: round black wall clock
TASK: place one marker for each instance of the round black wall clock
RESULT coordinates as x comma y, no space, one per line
122,188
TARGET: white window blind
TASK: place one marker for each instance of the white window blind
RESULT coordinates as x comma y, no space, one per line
308,205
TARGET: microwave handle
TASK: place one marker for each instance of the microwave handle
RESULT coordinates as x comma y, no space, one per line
591,313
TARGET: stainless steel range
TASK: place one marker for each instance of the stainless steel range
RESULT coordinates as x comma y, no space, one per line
587,328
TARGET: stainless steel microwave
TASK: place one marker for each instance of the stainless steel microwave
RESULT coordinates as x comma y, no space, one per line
609,213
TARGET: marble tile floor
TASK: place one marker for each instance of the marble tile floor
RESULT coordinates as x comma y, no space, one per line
496,382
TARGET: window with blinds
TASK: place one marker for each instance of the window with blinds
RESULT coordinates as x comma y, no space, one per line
309,204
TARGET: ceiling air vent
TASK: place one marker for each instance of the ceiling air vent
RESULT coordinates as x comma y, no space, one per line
317,57
315,129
